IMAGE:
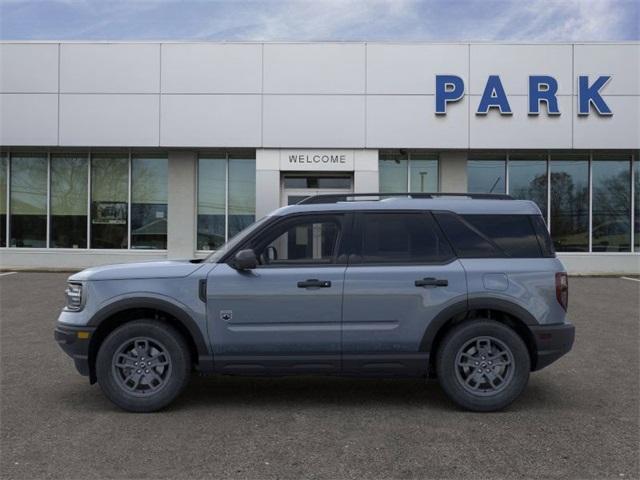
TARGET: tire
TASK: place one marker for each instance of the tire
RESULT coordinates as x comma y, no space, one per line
463,368
143,365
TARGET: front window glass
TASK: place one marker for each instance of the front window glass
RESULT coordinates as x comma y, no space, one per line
109,197
149,194
3,199
69,201
486,174
611,205
242,194
312,240
570,203
28,201
212,174
402,238
528,178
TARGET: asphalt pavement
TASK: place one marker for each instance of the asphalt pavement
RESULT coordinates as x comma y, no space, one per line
578,418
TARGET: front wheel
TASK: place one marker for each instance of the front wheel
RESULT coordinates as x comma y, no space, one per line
143,365
483,365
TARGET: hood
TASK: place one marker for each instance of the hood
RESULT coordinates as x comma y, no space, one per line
142,270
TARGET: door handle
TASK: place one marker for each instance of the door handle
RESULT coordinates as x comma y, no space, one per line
314,283
432,282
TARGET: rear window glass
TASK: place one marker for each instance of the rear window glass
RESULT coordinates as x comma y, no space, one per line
402,238
514,234
544,239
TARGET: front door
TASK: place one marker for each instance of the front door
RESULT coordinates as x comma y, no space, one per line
296,187
402,274
284,316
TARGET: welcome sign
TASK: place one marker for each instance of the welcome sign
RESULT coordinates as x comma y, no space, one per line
317,160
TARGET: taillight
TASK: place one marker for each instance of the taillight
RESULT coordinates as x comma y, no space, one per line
562,289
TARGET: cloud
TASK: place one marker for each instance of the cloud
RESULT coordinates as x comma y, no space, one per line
331,20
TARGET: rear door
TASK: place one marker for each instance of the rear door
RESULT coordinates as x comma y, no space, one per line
403,273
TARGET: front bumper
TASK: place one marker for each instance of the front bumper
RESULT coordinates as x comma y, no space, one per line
552,342
74,341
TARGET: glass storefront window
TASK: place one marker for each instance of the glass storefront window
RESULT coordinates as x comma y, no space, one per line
423,173
149,196
408,172
242,194
68,209
28,209
4,162
212,174
528,178
611,204
109,197
486,174
393,172
569,220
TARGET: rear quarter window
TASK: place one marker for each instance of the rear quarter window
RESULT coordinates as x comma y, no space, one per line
488,236
514,234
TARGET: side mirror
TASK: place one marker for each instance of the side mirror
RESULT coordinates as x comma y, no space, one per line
245,260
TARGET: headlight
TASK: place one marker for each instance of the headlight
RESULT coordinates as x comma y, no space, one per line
73,293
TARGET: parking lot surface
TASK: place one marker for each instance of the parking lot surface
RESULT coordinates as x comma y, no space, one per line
577,419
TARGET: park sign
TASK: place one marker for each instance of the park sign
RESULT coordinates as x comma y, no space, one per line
542,89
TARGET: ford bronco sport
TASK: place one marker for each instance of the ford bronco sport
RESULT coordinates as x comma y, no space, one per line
465,288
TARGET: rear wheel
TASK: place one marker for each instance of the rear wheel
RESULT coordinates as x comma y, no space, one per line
143,365
483,365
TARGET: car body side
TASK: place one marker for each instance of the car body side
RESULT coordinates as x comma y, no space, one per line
516,291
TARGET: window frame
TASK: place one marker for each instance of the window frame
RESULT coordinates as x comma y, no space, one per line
358,232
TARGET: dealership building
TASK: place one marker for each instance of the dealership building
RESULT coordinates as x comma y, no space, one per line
120,152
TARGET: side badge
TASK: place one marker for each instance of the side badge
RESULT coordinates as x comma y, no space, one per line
226,315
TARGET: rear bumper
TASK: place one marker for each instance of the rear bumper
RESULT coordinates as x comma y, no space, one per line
552,342
74,345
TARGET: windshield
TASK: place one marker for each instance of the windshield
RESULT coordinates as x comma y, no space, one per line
216,255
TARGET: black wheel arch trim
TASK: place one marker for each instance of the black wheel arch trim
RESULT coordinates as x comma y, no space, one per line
465,306
205,358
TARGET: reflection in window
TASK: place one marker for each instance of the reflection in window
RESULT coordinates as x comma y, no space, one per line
28,201
242,194
393,173
570,203
528,178
4,161
486,174
109,196
149,195
212,173
69,201
611,205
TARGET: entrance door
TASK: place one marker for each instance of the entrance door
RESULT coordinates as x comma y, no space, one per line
296,187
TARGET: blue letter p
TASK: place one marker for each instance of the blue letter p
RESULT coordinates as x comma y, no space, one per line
449,88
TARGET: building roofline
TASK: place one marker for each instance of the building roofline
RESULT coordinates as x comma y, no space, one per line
316,42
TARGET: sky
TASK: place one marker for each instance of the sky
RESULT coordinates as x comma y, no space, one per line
321,20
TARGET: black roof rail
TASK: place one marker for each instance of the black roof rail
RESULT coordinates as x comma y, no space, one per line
354,197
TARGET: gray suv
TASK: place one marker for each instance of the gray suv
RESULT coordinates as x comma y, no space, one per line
465,288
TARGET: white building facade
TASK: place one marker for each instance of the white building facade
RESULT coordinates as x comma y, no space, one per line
118,152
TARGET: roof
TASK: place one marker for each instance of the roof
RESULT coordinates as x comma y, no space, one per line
461,205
